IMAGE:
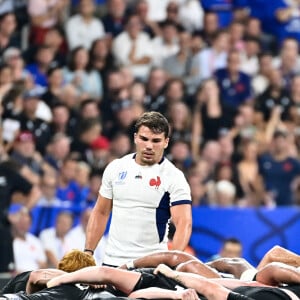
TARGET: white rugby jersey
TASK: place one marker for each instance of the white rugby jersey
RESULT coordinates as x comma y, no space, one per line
142,196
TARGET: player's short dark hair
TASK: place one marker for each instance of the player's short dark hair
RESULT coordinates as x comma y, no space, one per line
155,121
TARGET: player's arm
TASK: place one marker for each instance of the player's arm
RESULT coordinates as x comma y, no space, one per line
97,222
39,278
277,273
170,258
123,280
279,254
235,266
159,293
182,218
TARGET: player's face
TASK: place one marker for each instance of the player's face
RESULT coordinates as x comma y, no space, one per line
149,146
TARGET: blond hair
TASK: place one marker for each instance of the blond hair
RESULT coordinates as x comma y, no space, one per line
75,260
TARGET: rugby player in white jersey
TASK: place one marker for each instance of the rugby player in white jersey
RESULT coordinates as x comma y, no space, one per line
143,190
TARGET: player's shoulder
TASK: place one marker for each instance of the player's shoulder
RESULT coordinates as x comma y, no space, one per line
124,159
119,162
166,164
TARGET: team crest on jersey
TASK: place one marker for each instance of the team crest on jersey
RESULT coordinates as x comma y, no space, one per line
155,182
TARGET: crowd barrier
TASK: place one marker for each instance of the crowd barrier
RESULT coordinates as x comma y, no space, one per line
258,229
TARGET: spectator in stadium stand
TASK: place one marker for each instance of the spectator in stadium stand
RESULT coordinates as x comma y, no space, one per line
172,14
294,110
155,88
83,28
213,57
55,83
54,239
100,57
174,91
180,117
230,248
8,36
29,253
12,105
177,64
260,81
124,118
29,121
222,8
94,183
288,61
76,236
235,86
55,39
211,152
165,44
191,79
141,8
114,84
57,150
267,41
180,155
287,19
24,152
137,92
120,145
137,52
66,186
89,130
275,95
279,170
208,114
6,79
236,32
210,27
43,60
12,56
64,120
44,14
251,192
11,182
79,73
114,19
48,197
249,57
83,171
191,15
89,109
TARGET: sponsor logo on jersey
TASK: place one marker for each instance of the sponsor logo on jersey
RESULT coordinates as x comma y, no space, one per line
138,176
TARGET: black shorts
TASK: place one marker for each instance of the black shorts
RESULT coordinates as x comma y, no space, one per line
262,293
16,284
148,279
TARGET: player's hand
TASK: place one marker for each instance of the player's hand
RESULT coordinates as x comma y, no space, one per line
52,282
163,269
189,294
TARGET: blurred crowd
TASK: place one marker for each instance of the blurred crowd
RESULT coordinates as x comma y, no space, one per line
75,75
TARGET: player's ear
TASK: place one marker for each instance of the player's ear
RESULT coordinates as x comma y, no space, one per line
134,137
166,143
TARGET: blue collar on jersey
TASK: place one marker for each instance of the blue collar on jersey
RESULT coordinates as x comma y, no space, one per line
162,159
